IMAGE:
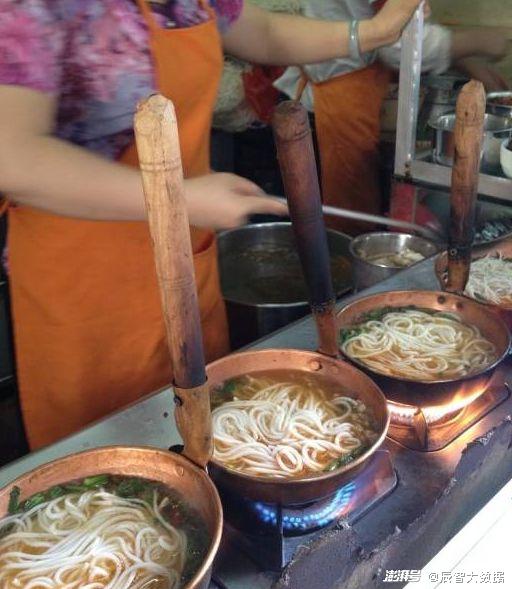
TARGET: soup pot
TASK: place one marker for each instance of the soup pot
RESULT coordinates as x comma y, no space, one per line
164,467
262,281
496,129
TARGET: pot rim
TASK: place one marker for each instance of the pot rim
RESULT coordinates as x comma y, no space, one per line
213,548
366,368
295,304
302,481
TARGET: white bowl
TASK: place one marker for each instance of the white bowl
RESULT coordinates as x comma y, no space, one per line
506,157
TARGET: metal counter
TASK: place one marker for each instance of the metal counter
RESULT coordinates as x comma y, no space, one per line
150,422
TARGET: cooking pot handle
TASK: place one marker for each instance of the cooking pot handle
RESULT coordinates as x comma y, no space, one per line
156,133
296,156
468,137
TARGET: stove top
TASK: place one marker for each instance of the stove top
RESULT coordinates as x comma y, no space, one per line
436,492
318,546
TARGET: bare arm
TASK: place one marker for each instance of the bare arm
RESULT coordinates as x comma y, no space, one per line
39,170
280,39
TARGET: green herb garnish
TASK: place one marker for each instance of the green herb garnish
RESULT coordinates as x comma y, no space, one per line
34,501
97,481
345,459
14,500
131,488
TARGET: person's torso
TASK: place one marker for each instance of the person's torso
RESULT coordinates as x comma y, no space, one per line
341,10
107,65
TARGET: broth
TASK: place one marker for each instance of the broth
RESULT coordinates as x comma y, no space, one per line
272,274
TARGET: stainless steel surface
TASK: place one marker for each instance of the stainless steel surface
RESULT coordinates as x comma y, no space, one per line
409,93
253,316
496,129
441,96
430,174
494,106
366,273
409,164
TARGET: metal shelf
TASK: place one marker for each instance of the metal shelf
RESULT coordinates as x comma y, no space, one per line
408,164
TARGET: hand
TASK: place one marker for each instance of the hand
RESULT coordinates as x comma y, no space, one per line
393,17
225,201
478,69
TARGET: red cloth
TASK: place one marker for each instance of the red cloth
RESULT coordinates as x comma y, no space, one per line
260,92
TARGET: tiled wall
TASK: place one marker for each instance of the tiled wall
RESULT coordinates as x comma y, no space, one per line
495,13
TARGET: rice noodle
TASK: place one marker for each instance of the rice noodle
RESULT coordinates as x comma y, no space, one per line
420,345
490,280
91,540
287,428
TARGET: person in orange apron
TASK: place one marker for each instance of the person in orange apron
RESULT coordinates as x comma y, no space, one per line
89,334
346,96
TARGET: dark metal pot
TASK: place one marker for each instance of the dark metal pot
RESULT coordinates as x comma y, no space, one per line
262,280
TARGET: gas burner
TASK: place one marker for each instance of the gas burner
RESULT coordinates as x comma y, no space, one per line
434,427
307,518
270,533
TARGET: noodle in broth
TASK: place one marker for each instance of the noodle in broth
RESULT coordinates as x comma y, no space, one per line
417,344
283,424
99,540
490,280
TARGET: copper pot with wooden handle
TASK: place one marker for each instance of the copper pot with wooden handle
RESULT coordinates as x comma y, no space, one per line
453,266
296,158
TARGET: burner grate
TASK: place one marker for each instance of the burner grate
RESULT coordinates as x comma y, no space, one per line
418,429
270,534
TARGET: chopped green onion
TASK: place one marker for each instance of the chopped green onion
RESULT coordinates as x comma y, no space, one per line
14,501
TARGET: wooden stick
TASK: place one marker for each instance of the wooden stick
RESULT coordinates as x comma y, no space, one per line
156,133
469,134
296,155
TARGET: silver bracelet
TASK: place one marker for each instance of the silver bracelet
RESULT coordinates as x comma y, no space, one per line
355,47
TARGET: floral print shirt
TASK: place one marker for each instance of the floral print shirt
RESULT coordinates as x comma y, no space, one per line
94,55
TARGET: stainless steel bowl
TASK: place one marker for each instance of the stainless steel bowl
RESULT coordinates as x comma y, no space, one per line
262,281
366,273
493,104
496,129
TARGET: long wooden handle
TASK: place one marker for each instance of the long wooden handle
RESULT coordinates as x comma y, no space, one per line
468,135
156,132
296,155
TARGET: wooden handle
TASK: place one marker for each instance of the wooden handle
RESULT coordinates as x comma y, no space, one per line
296,156
156,133
468,136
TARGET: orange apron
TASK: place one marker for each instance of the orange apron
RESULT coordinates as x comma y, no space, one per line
88,322
347,121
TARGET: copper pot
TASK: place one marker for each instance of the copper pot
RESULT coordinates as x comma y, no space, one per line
163,467
441,391
351,381
505,249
